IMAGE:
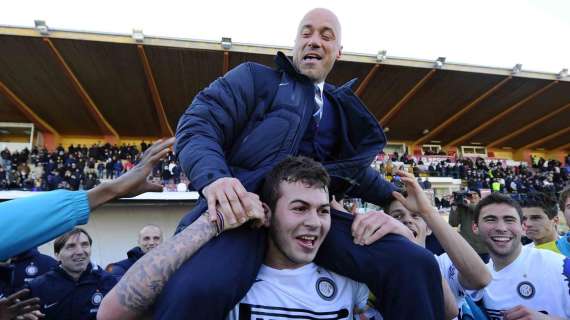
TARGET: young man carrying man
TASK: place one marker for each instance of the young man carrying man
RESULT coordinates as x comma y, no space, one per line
460,266
239,128
289,284
528,283
540,221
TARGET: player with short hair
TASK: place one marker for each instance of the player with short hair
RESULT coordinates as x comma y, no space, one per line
289,284
528,283
75,289
460,266
540,220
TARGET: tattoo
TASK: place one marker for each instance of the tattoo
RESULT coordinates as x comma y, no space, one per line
142,283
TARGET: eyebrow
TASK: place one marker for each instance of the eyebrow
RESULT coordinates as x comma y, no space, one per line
295,201
310,26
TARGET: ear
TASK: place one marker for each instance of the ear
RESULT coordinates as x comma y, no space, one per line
428,231
268,215
556,220
475,228
339,53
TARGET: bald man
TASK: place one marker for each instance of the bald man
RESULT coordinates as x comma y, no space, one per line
150,236
243,124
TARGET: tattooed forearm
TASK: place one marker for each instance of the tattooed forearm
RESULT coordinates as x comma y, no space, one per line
140,286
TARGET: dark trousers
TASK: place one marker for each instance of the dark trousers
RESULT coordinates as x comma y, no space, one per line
404,277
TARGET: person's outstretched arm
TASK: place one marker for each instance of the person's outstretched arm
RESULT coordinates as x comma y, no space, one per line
32,221
144,281
473,273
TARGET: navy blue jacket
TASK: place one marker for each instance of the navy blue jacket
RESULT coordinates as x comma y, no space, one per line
30,265
22,269
118,269
246,122
63,298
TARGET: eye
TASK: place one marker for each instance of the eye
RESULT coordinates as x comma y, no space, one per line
325,211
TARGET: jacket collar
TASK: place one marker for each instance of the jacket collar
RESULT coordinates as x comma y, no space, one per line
286,65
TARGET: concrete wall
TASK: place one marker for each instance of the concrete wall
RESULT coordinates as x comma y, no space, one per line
114,227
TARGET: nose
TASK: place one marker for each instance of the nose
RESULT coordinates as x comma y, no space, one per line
312,220
314,41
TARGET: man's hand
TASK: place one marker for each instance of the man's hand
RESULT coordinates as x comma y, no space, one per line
256,213
135,181
523,313
232,198
417,200
369,227
12,307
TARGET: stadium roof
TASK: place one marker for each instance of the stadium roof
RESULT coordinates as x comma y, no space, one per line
93,84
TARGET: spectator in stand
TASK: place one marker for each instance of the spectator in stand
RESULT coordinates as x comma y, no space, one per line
150,236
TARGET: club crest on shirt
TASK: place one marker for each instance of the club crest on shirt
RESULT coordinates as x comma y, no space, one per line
31,270
526,290
326,288
96,298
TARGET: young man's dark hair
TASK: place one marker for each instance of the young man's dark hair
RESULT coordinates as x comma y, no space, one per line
61,240
496,198
564,195
541,200
293,169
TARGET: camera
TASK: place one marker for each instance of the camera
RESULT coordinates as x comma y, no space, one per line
460,198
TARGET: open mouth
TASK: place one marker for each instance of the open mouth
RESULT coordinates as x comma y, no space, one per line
311,57
307,241
501,240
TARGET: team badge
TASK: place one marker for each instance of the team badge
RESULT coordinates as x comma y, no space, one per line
326,288
526,290
31,270
96,298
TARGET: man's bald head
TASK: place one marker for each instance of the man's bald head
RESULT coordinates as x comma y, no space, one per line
317,44
150,237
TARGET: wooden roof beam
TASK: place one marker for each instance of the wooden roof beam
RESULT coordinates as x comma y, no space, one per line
563,147
462,111
528,126
398,106
27,111
501,115
103,124
369,76
545,139
165,129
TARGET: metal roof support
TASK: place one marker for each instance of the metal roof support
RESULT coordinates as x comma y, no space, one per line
165,129
398,106
528,126
103,124
501,115
545,139
461,112
226,63
27,111
369,76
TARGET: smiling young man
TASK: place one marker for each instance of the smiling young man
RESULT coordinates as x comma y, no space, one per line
240,127
75,289
528,283
540,220
288,285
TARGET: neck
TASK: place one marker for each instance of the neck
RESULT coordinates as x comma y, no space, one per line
276,259
501,262
548,238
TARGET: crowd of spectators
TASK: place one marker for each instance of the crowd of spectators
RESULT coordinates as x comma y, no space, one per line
78,167
478,173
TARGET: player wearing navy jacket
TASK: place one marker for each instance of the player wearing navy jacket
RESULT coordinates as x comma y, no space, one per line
75,289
